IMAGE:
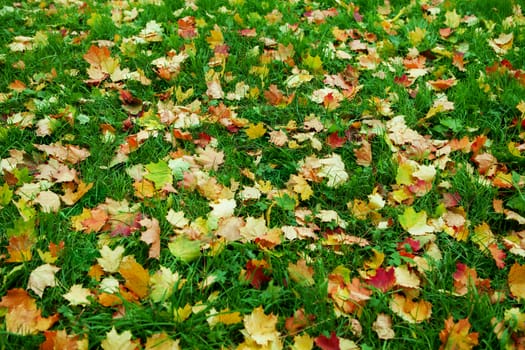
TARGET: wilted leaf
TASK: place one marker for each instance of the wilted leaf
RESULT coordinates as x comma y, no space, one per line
415,223
383,327
185,249
42,277
326,343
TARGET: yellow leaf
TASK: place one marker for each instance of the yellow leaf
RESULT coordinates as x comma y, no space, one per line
452,19
182,313
516,281
255,131
215,37
261,328
137,278
416,36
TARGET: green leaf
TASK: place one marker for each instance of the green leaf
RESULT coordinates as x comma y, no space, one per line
5,195
286,202
178,167
415,223
185,249
159,173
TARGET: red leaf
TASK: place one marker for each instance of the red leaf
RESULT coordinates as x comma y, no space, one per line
335,141
326,343
383,280
256,273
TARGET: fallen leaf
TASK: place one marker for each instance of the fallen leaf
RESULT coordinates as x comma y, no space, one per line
151,236
516,281
456,336
110,258
42,277
78,295
255,131
410,310
415,223
261,328
137,278
383,327
161,341
116,341
23,317
326,343
301,273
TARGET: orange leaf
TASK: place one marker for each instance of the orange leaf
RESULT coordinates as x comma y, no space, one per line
410,310
516,280
23,317
19,248
61,340
96,55
456,336
137,278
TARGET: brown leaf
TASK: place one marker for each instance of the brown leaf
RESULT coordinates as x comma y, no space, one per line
151,236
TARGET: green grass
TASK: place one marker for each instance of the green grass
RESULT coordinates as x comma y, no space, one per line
56,105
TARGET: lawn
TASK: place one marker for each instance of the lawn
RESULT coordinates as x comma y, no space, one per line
236,174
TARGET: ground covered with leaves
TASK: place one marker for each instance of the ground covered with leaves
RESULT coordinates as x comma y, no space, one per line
262,174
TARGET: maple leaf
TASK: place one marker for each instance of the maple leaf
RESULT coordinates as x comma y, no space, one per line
68,153
275,97
210,158
384,279
116,341
214,90
61,340
151,236
255,131
225,316
410,310
335,141
137,278
326,343
49,201
19,248
415,223
516,281
162,283
161,341
301,273
456,336
78,295
383,327
185,249
303,342
261,328
42,277
23,317
363,154
333,169
216,38
257,272
111,258
348,296
254,228
298,321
